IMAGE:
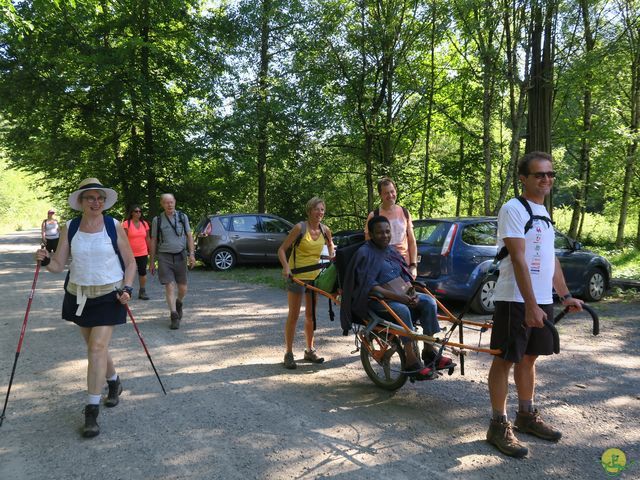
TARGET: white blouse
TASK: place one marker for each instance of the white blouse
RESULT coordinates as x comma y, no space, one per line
93,259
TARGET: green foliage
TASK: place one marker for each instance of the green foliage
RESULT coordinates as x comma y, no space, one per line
24,199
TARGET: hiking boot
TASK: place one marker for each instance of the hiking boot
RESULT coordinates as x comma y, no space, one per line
179,308
312,357
142,294
500,434
115,389
91,428
530,422
175,321
289,362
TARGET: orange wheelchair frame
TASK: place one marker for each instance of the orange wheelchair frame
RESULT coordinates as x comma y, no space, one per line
379,341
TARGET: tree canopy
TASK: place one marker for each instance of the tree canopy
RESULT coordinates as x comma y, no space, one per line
257,106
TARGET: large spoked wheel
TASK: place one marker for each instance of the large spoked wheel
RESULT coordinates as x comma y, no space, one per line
223,259
383,359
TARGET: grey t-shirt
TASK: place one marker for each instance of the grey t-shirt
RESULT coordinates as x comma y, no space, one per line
173,238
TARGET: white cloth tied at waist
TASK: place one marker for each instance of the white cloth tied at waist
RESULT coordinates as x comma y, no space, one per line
83,292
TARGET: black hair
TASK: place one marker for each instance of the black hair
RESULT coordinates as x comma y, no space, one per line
376,219
523,164
135,207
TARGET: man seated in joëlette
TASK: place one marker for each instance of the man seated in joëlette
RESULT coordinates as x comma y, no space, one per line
377,267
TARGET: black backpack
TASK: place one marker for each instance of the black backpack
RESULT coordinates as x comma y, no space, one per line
504,253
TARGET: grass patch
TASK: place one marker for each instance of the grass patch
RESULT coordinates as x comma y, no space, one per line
263,275
625,263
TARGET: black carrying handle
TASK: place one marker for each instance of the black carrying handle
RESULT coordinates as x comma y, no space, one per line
587,308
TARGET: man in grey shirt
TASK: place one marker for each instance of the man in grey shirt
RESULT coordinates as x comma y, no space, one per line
171,237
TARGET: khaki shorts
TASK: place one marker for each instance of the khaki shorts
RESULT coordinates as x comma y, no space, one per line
172,267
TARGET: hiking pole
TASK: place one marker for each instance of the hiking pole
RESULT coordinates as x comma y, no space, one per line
24,327
143,344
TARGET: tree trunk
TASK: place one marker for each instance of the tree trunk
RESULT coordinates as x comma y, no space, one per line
541,93
585,148
147,116
430,96
263,106
632,148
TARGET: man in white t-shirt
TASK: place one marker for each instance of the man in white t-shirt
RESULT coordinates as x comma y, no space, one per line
523,301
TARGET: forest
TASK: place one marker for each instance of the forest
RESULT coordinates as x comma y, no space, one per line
257,105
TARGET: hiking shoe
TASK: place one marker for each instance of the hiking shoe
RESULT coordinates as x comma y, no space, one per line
175,321
91,428
312,357
500,434
289,362
115,389
530,422
142,294
179,308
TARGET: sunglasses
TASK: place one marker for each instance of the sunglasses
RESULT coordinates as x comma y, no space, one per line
137,211
541,175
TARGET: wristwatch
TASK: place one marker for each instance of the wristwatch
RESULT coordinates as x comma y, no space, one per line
128,289
565,297
413,264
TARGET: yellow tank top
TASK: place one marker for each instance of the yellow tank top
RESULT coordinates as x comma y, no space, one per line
307,253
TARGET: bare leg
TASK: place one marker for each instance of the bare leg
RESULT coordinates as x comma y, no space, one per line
142,279
524,374
499,383
308,320
170,295
97,340
295,301
182,291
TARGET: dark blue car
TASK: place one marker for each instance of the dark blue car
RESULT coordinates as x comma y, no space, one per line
456,253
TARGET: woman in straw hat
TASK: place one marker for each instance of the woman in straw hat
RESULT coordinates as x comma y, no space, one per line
91,299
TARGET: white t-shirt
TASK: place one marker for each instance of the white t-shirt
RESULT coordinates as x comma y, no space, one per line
539,252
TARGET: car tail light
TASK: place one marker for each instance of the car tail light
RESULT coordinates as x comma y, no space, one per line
448,241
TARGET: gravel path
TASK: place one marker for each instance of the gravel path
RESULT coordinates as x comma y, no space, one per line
232,411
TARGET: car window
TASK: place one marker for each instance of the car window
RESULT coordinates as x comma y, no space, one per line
484,234
432,233
247,223
561,242
226,222
274,225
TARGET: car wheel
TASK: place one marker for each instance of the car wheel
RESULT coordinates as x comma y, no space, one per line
482,303
596,285
223,259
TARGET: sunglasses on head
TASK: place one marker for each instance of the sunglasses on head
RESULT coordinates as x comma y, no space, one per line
541,175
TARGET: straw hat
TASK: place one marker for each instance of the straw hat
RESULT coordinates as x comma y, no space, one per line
92,184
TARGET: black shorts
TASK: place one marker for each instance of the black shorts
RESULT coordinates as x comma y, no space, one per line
510,334
51,244
141,262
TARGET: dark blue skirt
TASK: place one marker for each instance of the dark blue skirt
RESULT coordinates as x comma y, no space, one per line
99,311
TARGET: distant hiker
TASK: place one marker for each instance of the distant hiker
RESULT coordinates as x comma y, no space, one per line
529,273
137,230
171,237
402,237
101,262
50,231
307,240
